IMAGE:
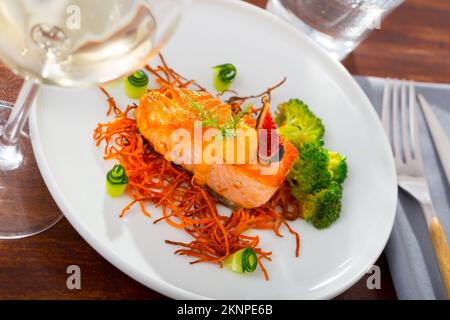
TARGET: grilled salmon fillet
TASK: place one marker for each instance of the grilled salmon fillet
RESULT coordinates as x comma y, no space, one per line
247,184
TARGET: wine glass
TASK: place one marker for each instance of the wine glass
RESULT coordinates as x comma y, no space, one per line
67,43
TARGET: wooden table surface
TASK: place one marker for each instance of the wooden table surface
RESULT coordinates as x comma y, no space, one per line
413,43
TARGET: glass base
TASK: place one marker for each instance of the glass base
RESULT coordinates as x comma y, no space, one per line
337,48
26,206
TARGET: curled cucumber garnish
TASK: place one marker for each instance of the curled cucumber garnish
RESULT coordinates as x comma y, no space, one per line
224,75
116,181
241,261
136,85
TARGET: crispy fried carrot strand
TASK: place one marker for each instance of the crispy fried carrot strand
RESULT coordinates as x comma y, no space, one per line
185,204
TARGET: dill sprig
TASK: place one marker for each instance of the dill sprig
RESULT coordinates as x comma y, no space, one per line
228,128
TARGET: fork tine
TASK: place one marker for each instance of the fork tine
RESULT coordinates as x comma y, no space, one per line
406,121
414,124
396,124
386,112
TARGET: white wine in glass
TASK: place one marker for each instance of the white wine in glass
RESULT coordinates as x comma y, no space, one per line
68,43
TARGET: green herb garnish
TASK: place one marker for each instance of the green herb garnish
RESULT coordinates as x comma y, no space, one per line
228,128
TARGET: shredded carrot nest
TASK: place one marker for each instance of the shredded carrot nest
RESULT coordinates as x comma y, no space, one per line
184,204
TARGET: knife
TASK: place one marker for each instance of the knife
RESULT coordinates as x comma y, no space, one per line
439,136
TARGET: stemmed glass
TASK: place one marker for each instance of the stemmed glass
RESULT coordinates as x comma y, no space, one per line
66,43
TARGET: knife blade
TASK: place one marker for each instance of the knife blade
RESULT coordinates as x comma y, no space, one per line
440,139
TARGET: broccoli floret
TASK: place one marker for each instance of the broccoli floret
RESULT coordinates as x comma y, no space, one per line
337,165
323,207
310,171
293,134
317,175
298,124
316,182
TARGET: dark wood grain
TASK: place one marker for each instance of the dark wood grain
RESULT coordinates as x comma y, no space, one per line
414,43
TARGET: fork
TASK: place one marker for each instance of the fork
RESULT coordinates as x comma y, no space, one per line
400,123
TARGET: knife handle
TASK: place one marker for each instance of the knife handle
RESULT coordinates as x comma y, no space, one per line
442,251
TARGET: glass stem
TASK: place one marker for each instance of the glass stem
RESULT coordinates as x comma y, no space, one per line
10,154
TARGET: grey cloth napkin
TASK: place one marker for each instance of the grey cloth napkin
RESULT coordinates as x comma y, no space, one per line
409,251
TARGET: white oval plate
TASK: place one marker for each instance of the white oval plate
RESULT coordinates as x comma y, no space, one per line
264,49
